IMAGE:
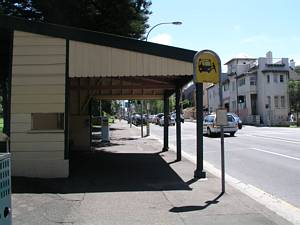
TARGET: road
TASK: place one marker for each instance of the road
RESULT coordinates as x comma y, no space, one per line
265,157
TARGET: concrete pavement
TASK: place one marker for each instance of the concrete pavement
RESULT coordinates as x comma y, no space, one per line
130,181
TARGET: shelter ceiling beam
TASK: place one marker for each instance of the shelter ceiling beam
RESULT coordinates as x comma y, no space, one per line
126,97
127,87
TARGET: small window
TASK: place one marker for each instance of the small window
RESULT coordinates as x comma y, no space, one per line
275,78
47,121
282,101
242,82
268,105
281,78
268,78
226,86
276,102
253,80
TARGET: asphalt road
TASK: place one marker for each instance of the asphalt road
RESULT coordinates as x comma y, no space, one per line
265,157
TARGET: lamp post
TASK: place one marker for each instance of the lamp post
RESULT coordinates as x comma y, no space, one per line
174,23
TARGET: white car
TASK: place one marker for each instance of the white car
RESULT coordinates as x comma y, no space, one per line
210,127
171,121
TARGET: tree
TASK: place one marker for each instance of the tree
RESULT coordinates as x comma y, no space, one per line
294,97
20,8
122,17
186,103
297,69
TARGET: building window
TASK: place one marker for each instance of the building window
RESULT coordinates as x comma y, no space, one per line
47,121
242,82
282,101
226,86
233,86
268,105
276,104
281,78
275,78
253,80
242,101
268,78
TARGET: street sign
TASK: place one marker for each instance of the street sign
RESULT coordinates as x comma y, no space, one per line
221,117
207,67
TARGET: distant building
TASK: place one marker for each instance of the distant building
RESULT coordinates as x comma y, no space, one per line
213,94
256,90
189,93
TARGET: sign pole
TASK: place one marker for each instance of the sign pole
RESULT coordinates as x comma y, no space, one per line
207,68
199,172
222,138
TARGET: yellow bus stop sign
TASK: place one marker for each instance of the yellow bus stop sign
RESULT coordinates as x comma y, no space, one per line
207,67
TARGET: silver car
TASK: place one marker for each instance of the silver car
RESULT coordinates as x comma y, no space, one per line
210,127
171,121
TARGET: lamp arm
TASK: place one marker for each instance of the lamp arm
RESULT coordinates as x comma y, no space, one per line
154,27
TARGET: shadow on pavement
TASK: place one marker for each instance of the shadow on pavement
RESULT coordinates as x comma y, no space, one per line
105,171
196,208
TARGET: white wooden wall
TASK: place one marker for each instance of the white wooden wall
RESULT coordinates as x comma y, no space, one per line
38,86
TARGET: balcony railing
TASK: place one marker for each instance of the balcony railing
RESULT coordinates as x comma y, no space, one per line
275,62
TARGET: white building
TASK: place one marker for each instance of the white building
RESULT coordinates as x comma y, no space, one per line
256,89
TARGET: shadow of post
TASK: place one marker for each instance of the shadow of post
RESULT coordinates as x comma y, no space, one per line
196,208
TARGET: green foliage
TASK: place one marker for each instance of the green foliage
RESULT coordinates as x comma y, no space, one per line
172,103
294,96
156,106
123,17
297,69
20,8
186,103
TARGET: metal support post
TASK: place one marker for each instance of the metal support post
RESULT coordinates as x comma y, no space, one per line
147,122
178,123
142,127
222,137
166,122
199,172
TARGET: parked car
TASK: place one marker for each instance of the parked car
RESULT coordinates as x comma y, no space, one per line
238,120
158,117
210,127
137,119
171,121
173,115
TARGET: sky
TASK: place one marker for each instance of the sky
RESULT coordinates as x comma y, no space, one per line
231,28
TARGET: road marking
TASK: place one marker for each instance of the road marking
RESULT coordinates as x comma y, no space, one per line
274,153
277,205
275,138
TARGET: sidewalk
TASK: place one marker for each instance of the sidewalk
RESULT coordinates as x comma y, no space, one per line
131,182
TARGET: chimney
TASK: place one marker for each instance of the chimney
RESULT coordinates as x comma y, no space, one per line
269,57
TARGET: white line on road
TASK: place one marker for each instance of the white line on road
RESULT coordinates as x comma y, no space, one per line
282,208
274,153
274,138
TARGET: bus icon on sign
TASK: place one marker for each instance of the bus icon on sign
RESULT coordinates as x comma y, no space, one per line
205,65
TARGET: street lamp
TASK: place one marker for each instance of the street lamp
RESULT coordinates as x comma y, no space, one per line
174,23
148,106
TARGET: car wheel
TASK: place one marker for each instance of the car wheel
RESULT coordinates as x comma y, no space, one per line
232,134
209,132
